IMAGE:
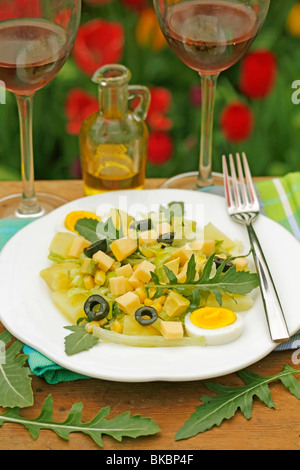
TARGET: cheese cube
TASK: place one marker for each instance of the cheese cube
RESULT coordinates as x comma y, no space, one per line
208,248
148,237
123,247
163,227
184,253
117,285
125,270
240,263
134,282
175,304
129,303
143,271
77,247
104,261
197,244
181,277
174,265
171,329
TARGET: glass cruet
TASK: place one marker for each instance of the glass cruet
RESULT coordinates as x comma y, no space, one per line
114,140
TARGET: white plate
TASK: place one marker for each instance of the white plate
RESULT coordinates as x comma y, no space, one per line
27,311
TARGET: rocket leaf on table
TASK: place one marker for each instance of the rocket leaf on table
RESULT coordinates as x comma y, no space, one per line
225,404
15,383
120,426
228,282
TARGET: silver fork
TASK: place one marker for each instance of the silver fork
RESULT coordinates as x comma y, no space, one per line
243,207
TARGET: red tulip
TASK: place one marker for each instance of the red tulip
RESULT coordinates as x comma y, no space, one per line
20,9
161,100
258,74
237,122
99,42
79,106
160,148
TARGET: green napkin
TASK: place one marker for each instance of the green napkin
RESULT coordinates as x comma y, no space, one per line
280,201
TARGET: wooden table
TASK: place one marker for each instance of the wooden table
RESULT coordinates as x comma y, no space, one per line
169,404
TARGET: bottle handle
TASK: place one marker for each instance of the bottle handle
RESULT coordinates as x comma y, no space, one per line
144,96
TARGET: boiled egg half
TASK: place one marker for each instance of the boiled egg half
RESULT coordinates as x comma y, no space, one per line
216,324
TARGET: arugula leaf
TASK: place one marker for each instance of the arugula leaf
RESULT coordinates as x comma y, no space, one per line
229,282
79,340
224,405
174,209
15,383
118,427
87,228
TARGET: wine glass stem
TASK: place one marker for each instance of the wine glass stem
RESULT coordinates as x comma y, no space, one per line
29,205
208,83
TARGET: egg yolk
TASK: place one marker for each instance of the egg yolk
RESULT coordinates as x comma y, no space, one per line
212,317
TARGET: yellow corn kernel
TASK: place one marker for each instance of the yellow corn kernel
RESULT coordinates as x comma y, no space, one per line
161,299
141,293
135,266
116,326
88,282
100,277
158,307
103,322
148,302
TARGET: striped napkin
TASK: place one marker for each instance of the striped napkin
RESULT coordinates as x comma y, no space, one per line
280,201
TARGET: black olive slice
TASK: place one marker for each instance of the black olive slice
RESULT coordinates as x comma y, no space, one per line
146,315
100,245
142,225
96,308
218,260
167,238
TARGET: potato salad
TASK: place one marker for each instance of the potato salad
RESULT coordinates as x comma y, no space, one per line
152,281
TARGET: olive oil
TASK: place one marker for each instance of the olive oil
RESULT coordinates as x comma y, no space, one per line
114,140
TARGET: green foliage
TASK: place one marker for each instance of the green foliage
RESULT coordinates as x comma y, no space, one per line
15,383
118,427
273,148
229,400
79,340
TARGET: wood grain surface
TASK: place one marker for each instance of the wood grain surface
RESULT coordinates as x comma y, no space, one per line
169,404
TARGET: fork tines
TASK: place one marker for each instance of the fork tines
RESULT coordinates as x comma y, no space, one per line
243,191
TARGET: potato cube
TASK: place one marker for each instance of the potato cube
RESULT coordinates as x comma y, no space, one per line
104,261
123,247
128,303
176,304
171,329
117,285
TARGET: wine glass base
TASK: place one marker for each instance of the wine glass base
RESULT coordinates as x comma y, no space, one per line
10,206
189,181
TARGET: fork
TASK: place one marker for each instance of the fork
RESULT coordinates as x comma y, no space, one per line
243,207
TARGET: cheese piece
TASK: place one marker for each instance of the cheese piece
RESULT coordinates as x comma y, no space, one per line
104,261
77,247
240,263
148,237
134,282
181,277
143,271
175,304
117,285
174,265
123,247
171,329
125,270
164,227
184,253
128,303
208,248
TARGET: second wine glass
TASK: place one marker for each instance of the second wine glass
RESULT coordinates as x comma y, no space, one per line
209,36
36,40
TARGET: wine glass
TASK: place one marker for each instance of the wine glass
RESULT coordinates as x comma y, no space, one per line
36,38
209,36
